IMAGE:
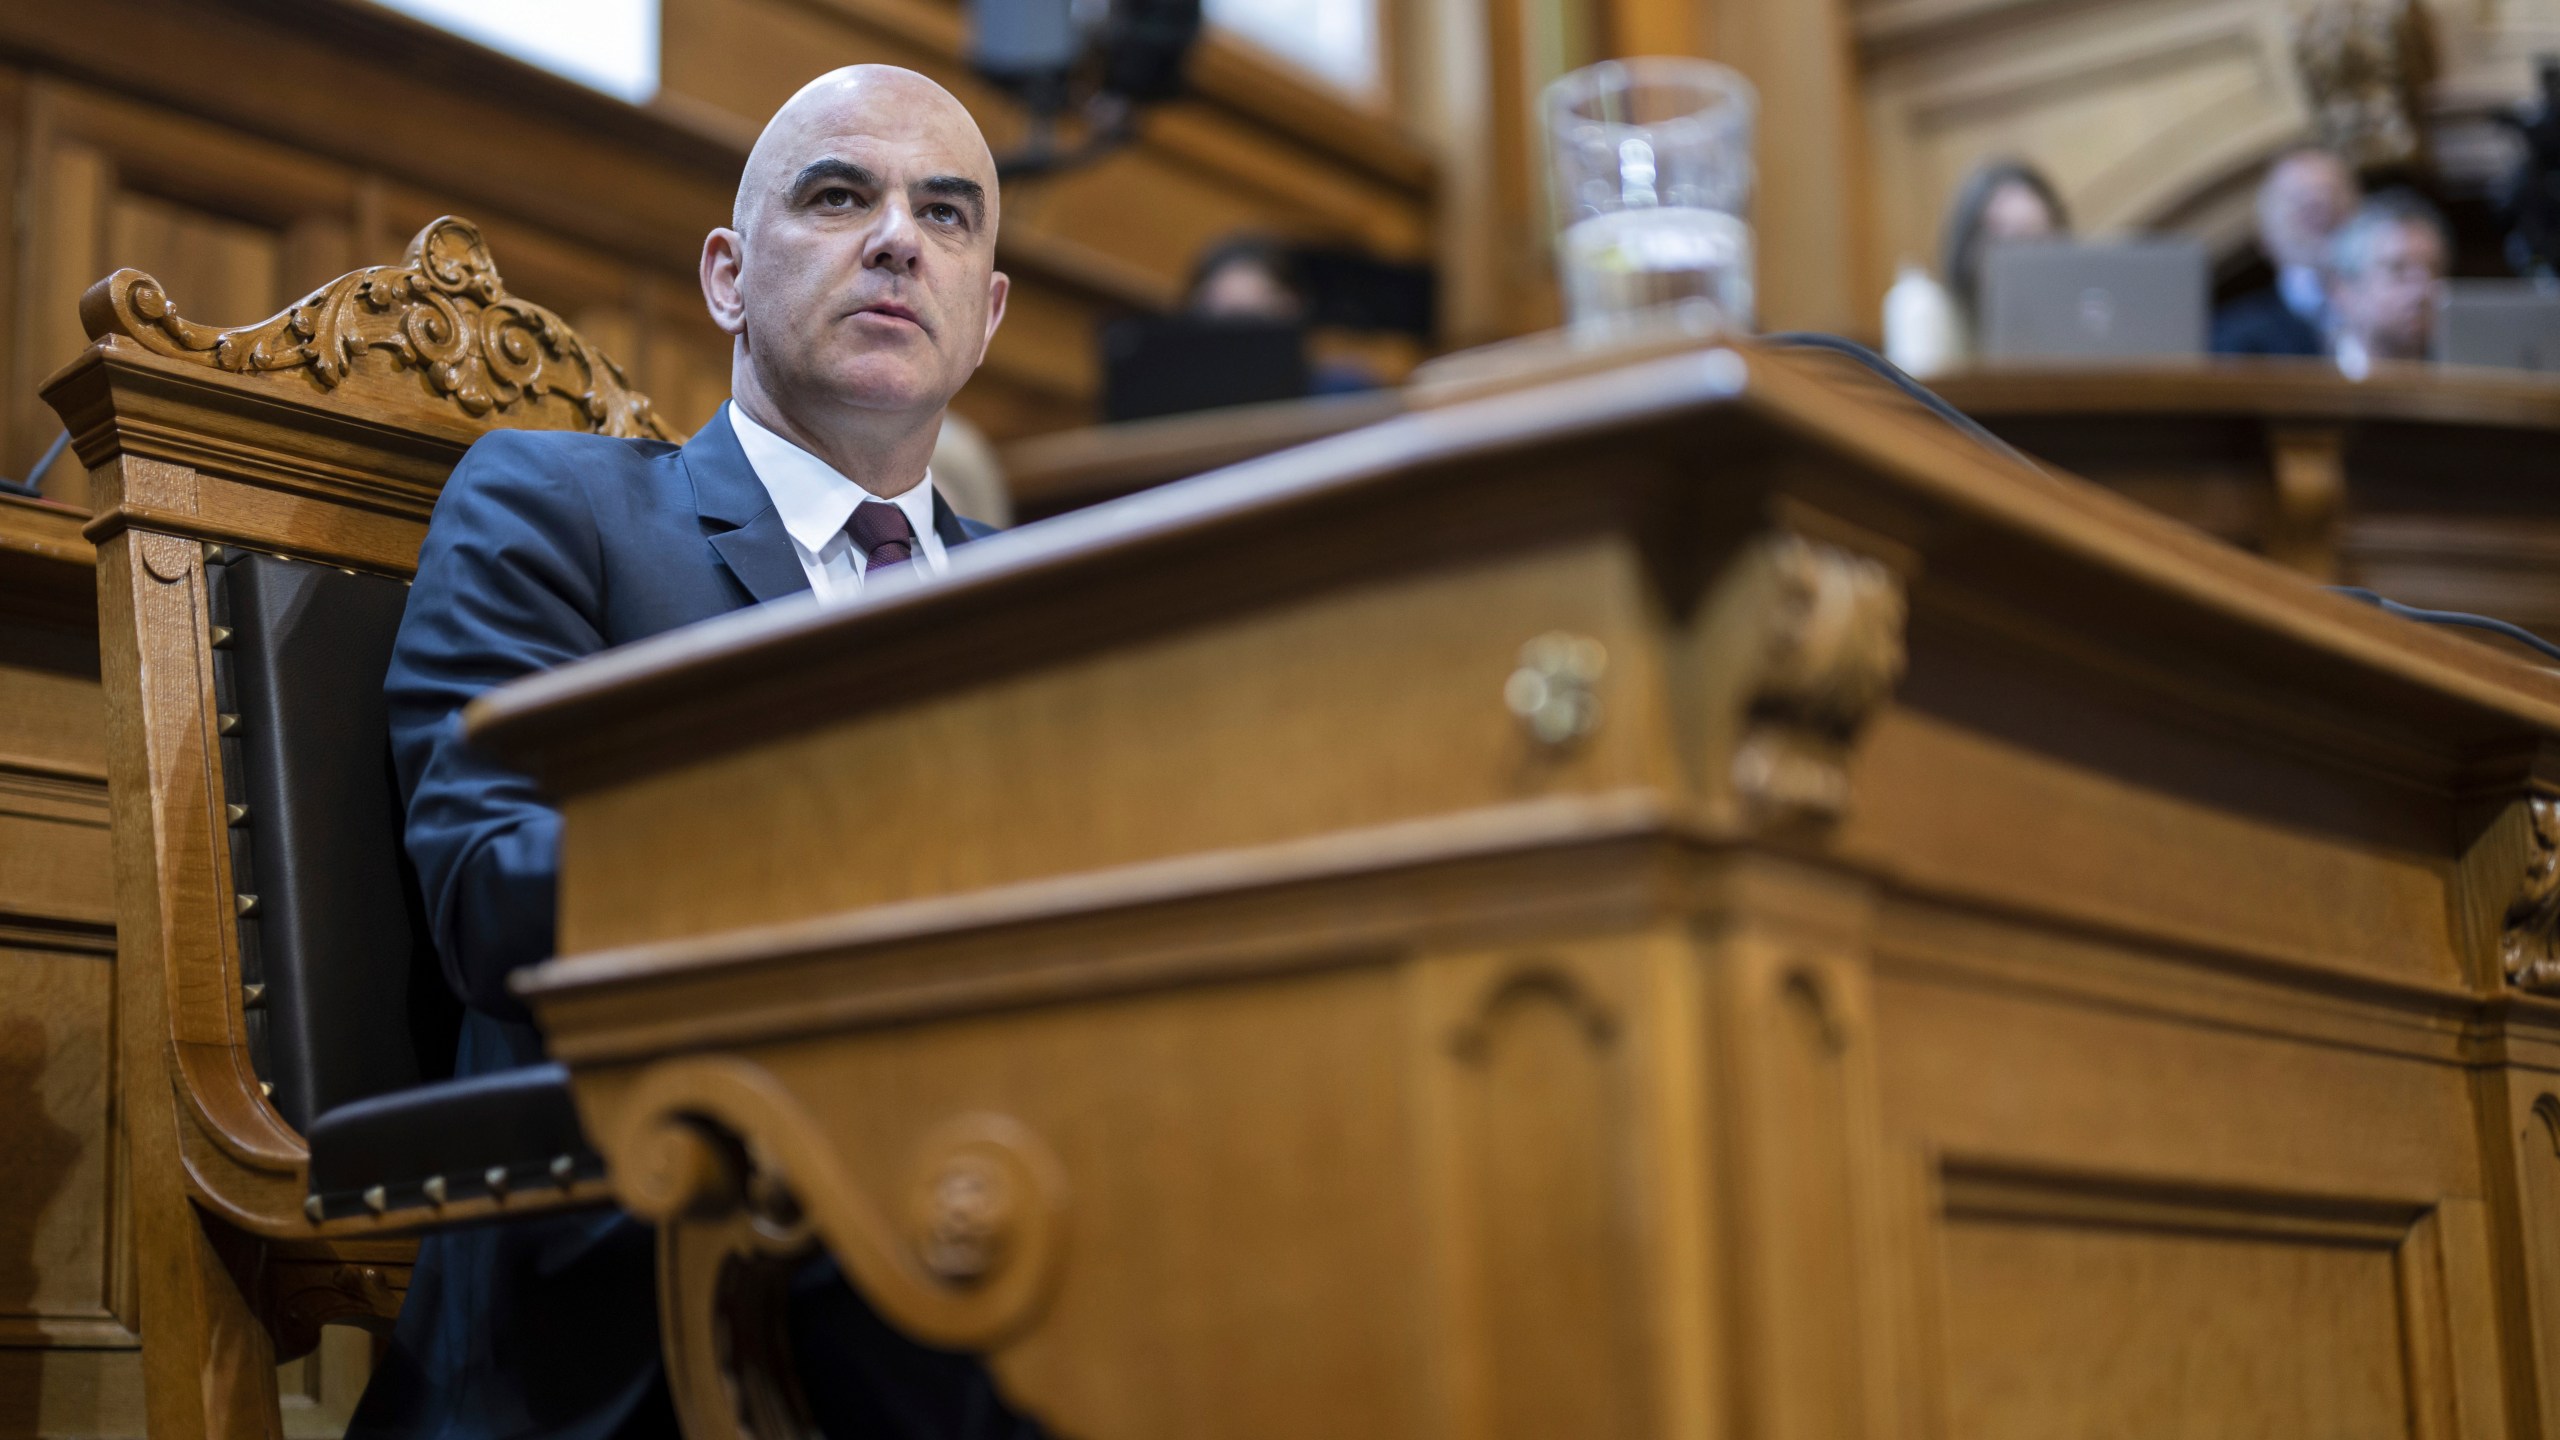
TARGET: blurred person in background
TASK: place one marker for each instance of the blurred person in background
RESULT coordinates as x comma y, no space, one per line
2003,200
1255,277
1247,277
2307,195
2386,276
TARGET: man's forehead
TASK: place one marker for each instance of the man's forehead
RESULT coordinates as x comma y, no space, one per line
877,104
900,147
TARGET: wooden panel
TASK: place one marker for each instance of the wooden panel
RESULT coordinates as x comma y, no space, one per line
1207,1258
71,1394
1137,795
2202,850
1534,1060
2075,1310
55,1030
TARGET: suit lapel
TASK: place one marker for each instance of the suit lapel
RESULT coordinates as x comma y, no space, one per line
739,516
951,529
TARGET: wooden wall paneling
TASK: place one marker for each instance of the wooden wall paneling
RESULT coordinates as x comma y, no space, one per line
71,192
2135,110
1810,207
1448,101
543,148
67,1314
633,190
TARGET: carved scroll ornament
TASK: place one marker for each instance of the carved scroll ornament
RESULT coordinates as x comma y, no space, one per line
2529,947
741,1183
1832,651
2364,66
442,311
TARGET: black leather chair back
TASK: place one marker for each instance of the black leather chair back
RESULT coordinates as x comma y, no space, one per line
346,999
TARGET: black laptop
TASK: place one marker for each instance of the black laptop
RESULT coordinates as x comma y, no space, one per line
1173,364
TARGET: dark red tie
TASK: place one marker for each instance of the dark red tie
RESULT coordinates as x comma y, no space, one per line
884,535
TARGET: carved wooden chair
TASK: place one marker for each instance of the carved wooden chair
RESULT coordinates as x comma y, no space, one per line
261,496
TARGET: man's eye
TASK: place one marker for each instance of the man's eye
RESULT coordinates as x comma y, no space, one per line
947,214
835,197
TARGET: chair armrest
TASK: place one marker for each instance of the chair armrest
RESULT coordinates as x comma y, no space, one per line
427,1147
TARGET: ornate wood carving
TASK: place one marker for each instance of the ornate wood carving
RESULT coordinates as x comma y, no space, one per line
1832,650
742,1182
303,1295
2364,64
2530,945
443,311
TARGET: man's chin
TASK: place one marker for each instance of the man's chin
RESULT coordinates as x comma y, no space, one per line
886,383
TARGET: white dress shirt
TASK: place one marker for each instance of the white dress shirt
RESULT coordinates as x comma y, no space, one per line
2305,294
815,501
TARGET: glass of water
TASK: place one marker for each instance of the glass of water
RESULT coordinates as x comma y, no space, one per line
1652,176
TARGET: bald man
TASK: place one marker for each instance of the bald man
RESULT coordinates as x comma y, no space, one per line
857,282
2307,195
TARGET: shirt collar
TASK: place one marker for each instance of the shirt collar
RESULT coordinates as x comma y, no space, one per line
812,497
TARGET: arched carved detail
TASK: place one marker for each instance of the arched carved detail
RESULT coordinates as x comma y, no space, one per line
443,311
2529,946
1528,983
712,1140
2546,1109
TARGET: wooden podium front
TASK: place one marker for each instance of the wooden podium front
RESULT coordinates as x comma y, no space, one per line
1668,902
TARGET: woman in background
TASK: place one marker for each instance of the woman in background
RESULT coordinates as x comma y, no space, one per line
2002,200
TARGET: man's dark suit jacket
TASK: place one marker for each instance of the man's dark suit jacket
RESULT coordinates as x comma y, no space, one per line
546,547
2260,323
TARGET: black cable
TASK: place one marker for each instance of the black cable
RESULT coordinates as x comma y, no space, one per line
1901,380
2462,618
28,486
1937,405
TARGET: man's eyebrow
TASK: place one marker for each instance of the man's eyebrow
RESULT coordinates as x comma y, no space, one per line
833,169
960,188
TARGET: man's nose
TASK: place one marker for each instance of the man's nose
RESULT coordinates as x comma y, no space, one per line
895,243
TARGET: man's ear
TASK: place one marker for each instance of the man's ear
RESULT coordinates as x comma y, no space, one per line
999,285
723,255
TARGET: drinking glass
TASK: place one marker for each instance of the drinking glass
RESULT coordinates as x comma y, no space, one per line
1652,176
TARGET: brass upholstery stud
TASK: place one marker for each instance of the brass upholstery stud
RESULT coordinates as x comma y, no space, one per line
564,1168
221,637
226,724
245,903
496,1176
235,814
267,1088
213,553
311,1207
253,994
377,1199
434,1189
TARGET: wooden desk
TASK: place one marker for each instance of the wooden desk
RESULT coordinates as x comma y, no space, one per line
1069,469
1674,902
2437,487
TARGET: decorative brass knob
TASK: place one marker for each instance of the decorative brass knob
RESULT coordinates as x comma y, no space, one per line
1555,691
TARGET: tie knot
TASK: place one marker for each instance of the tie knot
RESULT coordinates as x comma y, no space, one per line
883,533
